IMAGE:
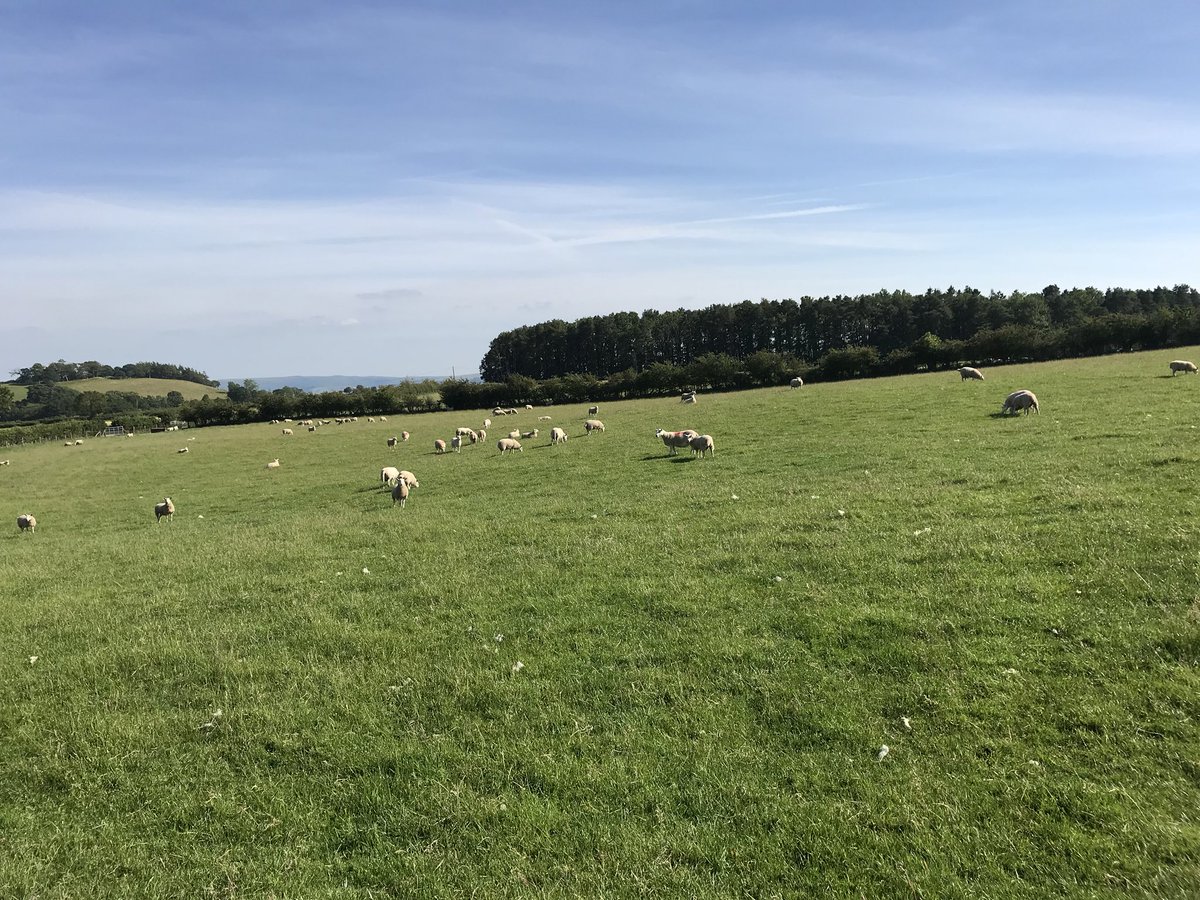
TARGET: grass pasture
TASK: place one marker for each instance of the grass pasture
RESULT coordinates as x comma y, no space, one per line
594,670
145,387
19,391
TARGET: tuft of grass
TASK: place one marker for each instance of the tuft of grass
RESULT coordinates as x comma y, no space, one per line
295,689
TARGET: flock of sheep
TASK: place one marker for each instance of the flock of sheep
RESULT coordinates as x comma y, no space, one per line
402,482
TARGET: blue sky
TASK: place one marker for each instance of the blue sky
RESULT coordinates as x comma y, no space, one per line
277,188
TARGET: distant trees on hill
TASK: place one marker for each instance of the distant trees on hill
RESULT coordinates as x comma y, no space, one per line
67,371
889,332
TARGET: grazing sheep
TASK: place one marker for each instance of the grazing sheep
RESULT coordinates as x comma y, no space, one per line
456,443
688,397
506,445
970,372
702,442
439,446
400,494
404,435
312,427
1020,400
389,474
676,439
1182,365
593,425
797,382
557,436
514,434
409,478
26,522
383,418
474,436
497,411
391,442
5,462
68,444
487,423
593,410
529,406
288,431
543,418
529,434
462,432
273,464
166,508
511,411
482,435
183,450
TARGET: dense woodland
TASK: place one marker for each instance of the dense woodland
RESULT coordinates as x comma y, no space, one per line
624,355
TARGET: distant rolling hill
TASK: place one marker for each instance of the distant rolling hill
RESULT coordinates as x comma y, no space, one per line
320,383
146,387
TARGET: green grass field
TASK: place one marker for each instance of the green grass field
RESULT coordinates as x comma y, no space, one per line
594,670
19,392
146,387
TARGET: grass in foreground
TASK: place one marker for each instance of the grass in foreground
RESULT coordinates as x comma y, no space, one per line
589,670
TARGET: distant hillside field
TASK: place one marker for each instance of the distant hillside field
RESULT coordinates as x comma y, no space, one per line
19,391
885,642
147,387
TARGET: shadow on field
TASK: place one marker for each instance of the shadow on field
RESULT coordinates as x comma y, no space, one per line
674,459
1003,415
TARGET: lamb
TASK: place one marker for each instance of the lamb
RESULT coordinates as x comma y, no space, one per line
288,431
557,436
797,382
26,522
404,435
1020,400
166,508
970,372
593,410
514,434
482,435
487,423
273,464
593,425
439,446
702,442
507,445
183,450
462,432
676,439
389,474
409,478
529,434
391,442
455,443
1182,365
400,494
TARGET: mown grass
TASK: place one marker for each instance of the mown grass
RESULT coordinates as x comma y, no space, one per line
145,387
705,681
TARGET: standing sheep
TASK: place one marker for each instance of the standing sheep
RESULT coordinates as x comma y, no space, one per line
439,446
593,425
507,445
404,435
1182,365
26,522
558,436
487,423
409,478
482,435
288,431
389,475
702,442
688,397
593,410
676,439
797,382
456,443
514,434
1020,400
970,372
166,508
400,493
391,442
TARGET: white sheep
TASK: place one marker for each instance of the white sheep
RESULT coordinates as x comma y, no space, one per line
543,418
557,435
26,522
482,436
439,446
1020,400
970,372
676,439
409,478
487,423
273,464
5,462
79,442
288,431
462,432
456,443
389,474
529,406
529,434
514,434
400,494
166,508
383,418
404,435
797,382
498,411
593,425
702,442
1182,365
474,436
507,445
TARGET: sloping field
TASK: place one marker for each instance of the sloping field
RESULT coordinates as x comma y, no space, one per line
146,387
594,670
19,391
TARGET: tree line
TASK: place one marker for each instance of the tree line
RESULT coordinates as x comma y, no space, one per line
888,332
62,370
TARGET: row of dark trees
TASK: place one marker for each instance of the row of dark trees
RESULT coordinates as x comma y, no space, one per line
70,371
977,326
